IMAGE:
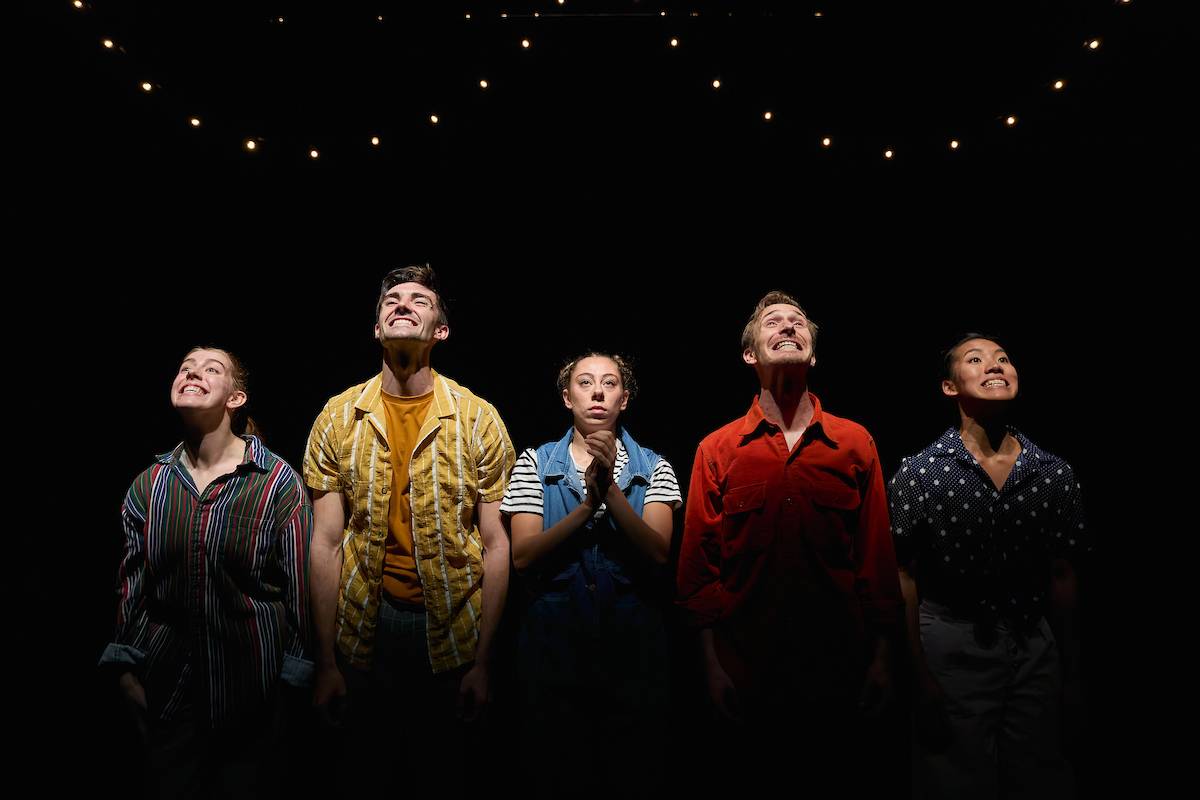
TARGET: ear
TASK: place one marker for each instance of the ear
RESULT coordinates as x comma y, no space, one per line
812,362
624,399
749,357
236,400
441,333
949,388
377,331
567,398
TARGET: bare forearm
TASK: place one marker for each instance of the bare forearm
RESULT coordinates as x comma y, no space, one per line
708,649
326,570
883,651
912,619
495,592
531,544
1064,599
655,544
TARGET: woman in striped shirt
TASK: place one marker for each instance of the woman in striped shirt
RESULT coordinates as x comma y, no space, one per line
213,608
591,519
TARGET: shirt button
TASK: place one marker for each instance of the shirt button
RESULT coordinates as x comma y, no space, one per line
385,489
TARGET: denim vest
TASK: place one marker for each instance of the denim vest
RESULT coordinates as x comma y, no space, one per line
597,559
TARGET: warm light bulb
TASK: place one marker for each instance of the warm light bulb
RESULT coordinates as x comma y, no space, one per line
147,86
375,141
251,144
716,84
313,154
1058,85
483,84
109,44
954,144
1010,121
525,43
674,43
195,122
826,142
1093,44
888,154
433,118
78,3
767,116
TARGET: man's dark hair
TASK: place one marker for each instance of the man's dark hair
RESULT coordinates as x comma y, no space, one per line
418,273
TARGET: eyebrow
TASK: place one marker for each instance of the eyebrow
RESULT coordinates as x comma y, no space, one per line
205,361
396,293
980,350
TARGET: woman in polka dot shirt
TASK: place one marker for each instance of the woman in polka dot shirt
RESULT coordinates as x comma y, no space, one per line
986,525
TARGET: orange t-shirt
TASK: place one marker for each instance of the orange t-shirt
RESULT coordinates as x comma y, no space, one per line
405,415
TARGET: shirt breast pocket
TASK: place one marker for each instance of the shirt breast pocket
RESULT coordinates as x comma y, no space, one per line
836,509
244,553
745,530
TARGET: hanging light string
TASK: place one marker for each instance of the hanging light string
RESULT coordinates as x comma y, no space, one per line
252,144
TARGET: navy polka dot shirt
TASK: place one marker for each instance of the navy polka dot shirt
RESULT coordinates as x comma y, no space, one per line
986,554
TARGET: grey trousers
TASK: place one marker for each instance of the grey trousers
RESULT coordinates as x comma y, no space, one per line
1002,700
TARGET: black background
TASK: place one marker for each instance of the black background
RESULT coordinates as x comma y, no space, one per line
600,194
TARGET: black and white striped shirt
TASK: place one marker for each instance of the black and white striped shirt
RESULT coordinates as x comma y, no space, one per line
524,494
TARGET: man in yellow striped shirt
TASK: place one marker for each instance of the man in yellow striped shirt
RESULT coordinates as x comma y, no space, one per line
410,559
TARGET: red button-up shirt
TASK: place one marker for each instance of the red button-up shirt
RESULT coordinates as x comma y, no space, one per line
787,554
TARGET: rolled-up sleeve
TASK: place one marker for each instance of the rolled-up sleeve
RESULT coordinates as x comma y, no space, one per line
128,645
321,471
294,537
496,457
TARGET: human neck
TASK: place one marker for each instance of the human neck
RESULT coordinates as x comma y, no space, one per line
406,373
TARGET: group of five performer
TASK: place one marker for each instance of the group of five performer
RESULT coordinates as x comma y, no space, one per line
384,592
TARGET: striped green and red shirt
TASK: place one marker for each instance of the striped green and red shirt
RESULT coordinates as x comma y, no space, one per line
214,586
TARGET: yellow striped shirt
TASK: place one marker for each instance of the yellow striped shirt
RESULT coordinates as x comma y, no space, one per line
462,458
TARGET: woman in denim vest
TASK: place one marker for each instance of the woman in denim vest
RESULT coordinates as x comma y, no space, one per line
591,518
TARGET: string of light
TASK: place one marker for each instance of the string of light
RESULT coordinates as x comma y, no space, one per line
255,144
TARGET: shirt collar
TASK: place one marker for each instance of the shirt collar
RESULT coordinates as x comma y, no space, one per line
1030,452
370,400
754,421
256,454
951,444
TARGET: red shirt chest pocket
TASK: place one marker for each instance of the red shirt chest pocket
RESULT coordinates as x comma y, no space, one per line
747,527
834,519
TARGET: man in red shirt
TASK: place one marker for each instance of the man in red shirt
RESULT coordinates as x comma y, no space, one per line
787,565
